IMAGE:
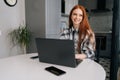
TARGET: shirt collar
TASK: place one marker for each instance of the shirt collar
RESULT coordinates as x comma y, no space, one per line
73,29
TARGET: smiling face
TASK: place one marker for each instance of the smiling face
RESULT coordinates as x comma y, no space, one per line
76,17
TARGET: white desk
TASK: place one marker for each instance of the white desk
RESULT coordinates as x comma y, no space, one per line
23,68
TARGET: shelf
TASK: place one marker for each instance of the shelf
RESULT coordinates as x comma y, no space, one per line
64,15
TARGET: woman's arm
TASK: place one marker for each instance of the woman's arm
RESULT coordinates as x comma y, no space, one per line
80,56
87,49
87,52
65,34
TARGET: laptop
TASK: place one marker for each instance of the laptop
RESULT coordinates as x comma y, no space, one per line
56,51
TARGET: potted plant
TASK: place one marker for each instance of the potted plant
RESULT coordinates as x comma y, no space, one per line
21,37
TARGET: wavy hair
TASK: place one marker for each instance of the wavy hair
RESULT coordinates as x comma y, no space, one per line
84,27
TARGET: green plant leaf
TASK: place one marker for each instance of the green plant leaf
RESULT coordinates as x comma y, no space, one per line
21,36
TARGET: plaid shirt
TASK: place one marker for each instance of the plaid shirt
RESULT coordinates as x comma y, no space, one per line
86,46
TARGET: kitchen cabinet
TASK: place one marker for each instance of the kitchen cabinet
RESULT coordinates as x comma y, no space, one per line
101,21
103,43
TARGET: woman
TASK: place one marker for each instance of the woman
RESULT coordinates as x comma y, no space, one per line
79,30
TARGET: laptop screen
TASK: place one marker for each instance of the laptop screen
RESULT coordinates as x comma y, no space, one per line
56,51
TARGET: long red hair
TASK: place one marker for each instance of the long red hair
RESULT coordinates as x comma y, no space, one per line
84,28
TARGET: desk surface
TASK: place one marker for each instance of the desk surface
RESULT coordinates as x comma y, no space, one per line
23,68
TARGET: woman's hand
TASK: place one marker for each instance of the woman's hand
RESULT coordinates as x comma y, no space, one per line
80,56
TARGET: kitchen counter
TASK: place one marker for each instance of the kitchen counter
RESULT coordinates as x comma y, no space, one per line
102,33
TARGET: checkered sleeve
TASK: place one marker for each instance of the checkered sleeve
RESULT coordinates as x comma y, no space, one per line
88,49
65,34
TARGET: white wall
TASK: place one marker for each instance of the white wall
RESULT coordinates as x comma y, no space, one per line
43,20
69,5
10,18
53,15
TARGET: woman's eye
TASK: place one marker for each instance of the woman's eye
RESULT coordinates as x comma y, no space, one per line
74,14
80,15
